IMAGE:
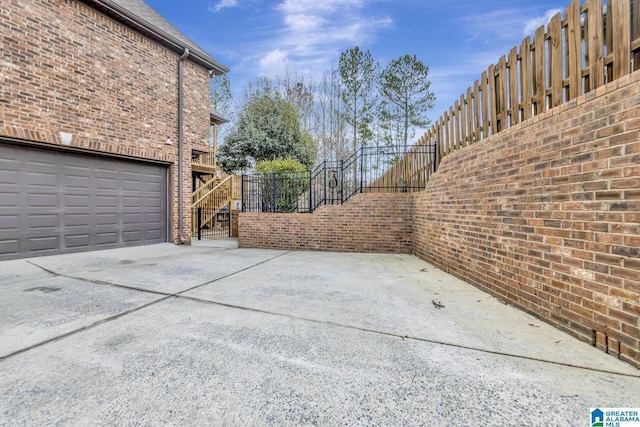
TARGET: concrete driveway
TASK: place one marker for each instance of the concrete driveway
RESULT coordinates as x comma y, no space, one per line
215,335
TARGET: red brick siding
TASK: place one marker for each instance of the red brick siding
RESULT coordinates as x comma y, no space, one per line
546,216
234,222
67,68
367,223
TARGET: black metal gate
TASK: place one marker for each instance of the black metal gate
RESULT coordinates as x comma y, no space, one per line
211,224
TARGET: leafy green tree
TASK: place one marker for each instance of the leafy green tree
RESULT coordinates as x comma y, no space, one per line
404,88
221,95
358,73
268,128
221,99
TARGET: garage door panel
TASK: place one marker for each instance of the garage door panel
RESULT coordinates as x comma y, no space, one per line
131,202
9,246
43,220
107,219
154,186
9,223
106,201
153,218
132,185
77,182
77,220
42,200
47,243
153,234
77,201
106,183
132,218
106,238
42,179
77,241
153,202
132,236
8,177
9,197
56,201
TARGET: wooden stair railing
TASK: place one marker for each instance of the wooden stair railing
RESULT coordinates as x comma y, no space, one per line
206,187
212,201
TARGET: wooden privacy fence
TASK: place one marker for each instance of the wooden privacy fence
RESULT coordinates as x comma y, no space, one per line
593,44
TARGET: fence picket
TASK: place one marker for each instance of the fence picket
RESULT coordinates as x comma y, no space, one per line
621,37
501,95
491,96
525,77
477,126
608,44
574,57
635,34
555,60
514,105
485,105
595,45
470,117
539,83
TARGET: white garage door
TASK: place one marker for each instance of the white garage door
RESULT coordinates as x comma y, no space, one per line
55,202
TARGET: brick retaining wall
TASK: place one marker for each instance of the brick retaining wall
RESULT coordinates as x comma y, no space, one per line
367,223
546,216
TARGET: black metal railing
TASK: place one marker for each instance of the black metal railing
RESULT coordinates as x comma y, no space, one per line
370,169
210,223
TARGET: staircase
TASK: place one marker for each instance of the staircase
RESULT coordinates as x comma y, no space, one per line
211,198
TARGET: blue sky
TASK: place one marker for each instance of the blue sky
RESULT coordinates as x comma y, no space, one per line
457,39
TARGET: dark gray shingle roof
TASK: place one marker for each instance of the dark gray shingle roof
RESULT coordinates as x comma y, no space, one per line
140,16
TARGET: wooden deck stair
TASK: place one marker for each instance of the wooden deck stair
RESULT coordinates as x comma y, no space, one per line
213,196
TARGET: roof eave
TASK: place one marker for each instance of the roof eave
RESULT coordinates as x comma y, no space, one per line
157,34
218,119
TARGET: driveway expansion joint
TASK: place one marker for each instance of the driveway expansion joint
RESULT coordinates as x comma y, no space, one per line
409,338
165,296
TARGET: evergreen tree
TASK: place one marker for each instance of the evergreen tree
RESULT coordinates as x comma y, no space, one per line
358,73
405,99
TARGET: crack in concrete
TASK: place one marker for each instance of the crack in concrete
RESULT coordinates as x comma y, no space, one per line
165,296
406,337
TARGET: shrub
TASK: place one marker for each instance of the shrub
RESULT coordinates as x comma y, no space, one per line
289,178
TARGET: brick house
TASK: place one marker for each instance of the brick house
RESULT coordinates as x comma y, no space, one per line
103,106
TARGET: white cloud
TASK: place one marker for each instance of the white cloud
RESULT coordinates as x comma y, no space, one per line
532,25
505,24
312,33
273,63
221,5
